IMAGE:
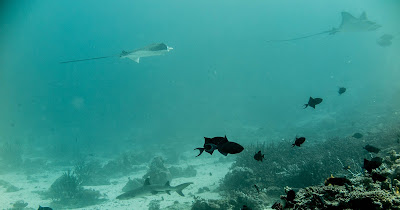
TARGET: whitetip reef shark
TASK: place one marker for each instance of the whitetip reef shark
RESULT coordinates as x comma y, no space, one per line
135,55
153,189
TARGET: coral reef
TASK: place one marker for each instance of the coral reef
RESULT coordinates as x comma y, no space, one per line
154,205
8,186
362,192
176,172
90,174
19,205
67,192
126,164
375,185
158,172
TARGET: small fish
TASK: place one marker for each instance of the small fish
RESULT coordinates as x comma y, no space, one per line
337,181
346,168
357,135
222,144
370,148
244,207
258,156
258,190
44,208
385,40
378,177
299,141
372,164
312,102
341,90
290,196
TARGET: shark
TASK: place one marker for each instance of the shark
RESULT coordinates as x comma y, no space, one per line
155,49
349,24
153,189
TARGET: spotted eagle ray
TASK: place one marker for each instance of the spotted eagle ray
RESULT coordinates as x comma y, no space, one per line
349,24
135,55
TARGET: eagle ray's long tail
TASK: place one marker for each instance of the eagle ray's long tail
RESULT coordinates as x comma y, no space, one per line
302,37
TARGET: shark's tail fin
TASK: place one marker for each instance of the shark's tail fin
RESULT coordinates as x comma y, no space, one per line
180,187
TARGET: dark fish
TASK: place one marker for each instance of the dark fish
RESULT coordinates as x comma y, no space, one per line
258,156
299,141
372,164
224,146
312,102
44,208
337,181
258,190
370,148
385,40
341,90
357,135
290,196
378,177
277,206
346,168
245,208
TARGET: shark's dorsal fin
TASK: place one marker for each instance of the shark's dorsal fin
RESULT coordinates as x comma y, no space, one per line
363,16
167,184
146,182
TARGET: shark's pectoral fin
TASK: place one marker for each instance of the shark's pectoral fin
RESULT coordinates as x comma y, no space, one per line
168,192
136,59
180,192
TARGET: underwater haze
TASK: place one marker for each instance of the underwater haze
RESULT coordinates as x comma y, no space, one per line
223,77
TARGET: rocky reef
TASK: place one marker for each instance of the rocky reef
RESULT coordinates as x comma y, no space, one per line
378,189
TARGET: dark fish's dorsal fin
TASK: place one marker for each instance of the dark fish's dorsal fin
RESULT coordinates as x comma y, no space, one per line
225,137
167,184
207,140
146,182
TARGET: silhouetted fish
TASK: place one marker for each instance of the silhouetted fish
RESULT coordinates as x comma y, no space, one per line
372,164
357,135
337,181
258,190
245,208
341,90
290,196
44,208
370,148
385,40
258,156
378,177
299,141
224,146
312,102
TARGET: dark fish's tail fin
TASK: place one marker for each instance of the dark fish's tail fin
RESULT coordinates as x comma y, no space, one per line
201,151
305,106
180,187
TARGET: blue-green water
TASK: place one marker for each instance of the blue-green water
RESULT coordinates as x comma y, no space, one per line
222,78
